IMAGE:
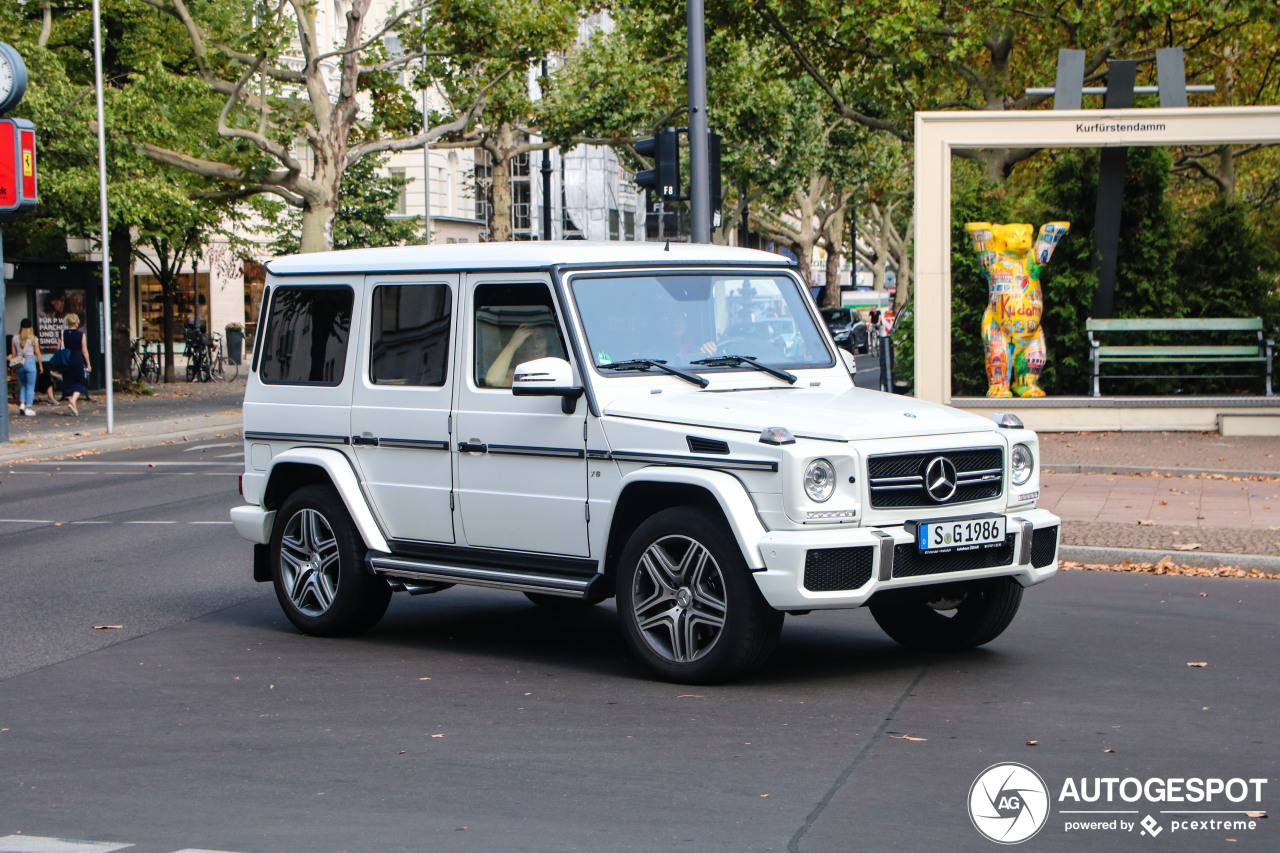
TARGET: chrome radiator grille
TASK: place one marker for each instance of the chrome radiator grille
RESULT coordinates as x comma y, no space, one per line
898,480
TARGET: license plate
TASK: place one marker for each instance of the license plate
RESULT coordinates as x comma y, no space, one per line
960,534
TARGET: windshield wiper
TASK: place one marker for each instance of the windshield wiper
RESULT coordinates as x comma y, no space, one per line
739,360
647,363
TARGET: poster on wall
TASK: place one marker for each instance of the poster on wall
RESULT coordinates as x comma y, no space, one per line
52,308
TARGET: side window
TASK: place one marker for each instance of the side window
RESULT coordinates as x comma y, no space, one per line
410,335
306,336
515,323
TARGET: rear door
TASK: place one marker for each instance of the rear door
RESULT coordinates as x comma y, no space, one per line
401,402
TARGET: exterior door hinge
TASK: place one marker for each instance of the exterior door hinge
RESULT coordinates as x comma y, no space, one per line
587,510
450,427
451,502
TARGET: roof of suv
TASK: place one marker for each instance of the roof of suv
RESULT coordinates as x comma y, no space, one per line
516,255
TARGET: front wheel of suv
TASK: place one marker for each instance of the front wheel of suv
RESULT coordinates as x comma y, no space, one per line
952,617
318,568
687,603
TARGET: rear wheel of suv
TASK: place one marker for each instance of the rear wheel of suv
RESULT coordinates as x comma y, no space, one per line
950,618
317,567
686,601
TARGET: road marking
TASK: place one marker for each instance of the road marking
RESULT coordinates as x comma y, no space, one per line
39,844
204,447
51,521
73,463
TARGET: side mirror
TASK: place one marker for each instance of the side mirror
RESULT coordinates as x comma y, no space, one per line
547,377
850,361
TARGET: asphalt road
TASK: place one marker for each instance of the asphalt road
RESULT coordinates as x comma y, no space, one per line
470,720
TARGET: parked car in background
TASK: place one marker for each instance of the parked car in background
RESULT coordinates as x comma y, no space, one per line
848,329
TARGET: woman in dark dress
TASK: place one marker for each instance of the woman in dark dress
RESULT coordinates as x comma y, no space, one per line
73,381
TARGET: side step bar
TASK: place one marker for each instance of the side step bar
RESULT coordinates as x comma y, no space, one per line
592,588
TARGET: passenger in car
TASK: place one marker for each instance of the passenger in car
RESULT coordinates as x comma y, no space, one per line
527,342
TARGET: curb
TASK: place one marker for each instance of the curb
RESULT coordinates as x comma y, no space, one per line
1111,556
1143,469
190,429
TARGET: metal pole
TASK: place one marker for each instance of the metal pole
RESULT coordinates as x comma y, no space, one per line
546,180
4,410
699,158
426,168
102,205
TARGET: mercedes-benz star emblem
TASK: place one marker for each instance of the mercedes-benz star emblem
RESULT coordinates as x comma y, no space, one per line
940,479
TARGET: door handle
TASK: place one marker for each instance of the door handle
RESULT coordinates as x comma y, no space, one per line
472,447
364,441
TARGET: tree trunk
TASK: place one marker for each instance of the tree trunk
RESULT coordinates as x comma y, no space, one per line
166,325
501,147
831,294
121,243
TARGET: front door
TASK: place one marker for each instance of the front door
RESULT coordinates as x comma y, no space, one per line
522,470
400,406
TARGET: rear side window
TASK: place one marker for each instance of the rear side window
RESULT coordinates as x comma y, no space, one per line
307,334
410,340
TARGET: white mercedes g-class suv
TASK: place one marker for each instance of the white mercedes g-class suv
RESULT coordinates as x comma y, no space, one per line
671,426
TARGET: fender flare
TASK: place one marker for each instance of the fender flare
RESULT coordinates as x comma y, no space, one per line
343,477
735,503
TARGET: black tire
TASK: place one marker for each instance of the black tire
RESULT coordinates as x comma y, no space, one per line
560,602
687,604
950,618
318,570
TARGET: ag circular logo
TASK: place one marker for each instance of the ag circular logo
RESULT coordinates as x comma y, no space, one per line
1008,803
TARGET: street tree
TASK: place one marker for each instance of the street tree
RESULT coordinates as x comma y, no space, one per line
286,88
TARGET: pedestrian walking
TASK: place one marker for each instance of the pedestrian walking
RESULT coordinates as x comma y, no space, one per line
26,357
73,375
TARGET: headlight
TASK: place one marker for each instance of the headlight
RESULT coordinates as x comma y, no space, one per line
1023,464
820,480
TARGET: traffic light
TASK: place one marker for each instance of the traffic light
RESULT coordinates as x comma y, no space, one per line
664,177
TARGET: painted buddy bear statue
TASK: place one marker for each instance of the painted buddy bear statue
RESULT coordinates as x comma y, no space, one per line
1011,324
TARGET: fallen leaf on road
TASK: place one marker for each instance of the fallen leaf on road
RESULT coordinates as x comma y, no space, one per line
907,737
1033,743
764,795
689,696
437,735
106,627
1198,663
1164,503
1255,814
1204,595
1189,546
1108,750
1143,522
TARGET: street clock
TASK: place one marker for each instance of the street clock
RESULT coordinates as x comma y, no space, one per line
13,77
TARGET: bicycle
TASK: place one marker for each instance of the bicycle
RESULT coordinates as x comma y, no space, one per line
218,361
146,363
197,354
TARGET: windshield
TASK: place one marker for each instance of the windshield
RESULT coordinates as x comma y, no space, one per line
837,316
680,318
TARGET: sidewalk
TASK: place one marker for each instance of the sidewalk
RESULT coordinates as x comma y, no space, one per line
1199,498
178,410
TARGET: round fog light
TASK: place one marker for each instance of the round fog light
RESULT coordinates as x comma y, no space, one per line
1023,464
819,480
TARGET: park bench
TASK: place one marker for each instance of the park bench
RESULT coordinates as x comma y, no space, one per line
1258,351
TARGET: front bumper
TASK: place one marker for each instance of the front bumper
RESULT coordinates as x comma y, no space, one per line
831,569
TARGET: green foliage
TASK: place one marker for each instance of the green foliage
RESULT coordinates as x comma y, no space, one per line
364,217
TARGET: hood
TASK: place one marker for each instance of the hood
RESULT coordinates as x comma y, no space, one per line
847,415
